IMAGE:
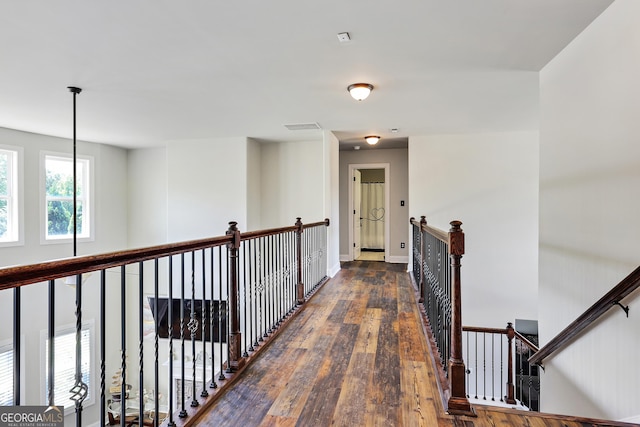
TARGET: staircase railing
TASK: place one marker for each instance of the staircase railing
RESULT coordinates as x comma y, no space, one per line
436,273
591,315
498,369
219,299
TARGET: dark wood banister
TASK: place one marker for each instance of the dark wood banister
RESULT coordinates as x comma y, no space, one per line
21,275
593,313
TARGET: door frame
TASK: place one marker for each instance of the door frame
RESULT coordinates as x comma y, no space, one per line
387,210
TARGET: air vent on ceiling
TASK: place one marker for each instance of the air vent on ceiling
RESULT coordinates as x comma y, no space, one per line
303,126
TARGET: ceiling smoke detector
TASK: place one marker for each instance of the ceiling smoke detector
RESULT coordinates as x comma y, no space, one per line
344,37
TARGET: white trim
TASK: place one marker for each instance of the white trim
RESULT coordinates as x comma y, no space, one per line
43,199
387,186
635,419
334,270
18,208
401,259
345,258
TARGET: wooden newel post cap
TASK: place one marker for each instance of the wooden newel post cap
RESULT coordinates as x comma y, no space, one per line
456,238
233,231
299,224
423,220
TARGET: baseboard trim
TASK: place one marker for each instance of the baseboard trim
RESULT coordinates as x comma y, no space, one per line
334,270
398,259
345,258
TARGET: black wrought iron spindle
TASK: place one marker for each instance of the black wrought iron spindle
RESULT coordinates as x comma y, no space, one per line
156,353
193,328
103,344
140,340
17,330
171,422
220,316
123,344
183,409
204,392
212,318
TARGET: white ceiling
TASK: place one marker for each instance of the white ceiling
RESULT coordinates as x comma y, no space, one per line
153,71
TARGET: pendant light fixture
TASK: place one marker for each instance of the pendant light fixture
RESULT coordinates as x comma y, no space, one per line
372,139
75,91
360,91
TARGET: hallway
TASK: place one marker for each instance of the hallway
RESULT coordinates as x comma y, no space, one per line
355,356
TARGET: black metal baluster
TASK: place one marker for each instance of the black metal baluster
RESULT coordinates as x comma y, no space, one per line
103,344
17,316
123,345
484,365
476,364
141,338
212,320
171,423
79,390
246,336
262,332
204,392
156,354
183,410
251,302
466,384
493,388
220,316
501,367
193,328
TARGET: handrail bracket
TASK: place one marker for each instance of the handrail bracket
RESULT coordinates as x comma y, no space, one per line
625,308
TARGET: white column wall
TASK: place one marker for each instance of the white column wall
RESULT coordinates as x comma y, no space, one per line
490,183
589,232
207,187
292,182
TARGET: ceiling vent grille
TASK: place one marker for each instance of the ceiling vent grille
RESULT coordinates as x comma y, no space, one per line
303,126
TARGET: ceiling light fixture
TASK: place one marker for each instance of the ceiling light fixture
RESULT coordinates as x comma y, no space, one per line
360,91
372,139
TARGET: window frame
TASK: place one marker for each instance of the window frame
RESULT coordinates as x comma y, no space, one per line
88,187
15,199
60,332
7,347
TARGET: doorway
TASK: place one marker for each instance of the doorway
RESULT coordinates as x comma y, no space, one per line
369,201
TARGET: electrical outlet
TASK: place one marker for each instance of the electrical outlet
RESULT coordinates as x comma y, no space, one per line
401,245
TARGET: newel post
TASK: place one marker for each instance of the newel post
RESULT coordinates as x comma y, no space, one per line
300,285
423,222
511,333
236,360
458,402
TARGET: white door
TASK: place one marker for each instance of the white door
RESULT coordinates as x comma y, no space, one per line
357,220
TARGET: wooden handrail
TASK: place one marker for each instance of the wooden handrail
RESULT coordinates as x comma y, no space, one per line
443,236
593,313
21,275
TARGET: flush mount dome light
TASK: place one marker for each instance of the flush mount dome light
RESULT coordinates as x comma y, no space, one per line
372,139
360,91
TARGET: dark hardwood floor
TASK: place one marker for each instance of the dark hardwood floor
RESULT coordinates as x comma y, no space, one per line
355,356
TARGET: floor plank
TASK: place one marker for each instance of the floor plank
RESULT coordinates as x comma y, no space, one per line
355,356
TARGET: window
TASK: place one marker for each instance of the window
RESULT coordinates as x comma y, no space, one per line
8,196
59,197
6,375
65,365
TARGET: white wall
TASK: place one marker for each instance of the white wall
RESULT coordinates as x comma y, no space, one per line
398,216
331,199
207,187
589,232
254,187
110,207
292,182
490,183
